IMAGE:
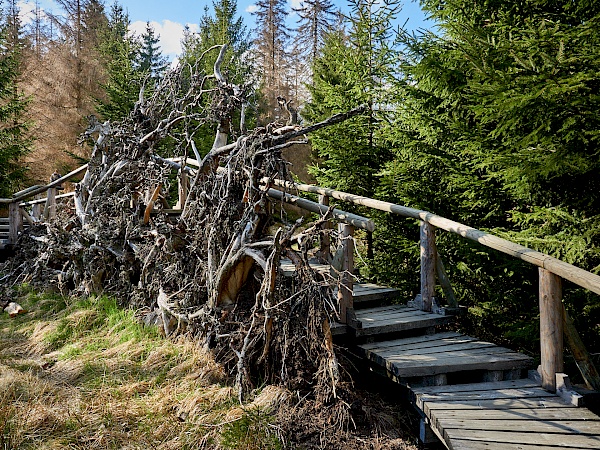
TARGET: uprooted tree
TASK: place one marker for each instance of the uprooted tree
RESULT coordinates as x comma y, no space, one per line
214,270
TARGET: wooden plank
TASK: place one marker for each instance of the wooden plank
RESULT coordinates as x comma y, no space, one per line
392,314
388,308
484,395
500,403
389,347
390,326
419,366
518,384
556,440
531,426
462,444
551,328
413,340
562,412
442,347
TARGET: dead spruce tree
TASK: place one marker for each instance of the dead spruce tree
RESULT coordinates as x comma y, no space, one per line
213,271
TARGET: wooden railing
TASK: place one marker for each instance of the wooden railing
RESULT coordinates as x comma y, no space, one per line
554,320
17,205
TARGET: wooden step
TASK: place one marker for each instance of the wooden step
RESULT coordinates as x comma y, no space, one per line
443,353
395,319
506,415
364,294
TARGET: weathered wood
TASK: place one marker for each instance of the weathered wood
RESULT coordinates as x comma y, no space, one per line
183,184
42,200
530,426
325,244
499,403
551,327
349,218
538,412
582,357
50,208
565,390
53,184
36,209
567,271
346,236
428,263
151,202
15,222
30,220
476,387
459,361
445,282
401,321
512,438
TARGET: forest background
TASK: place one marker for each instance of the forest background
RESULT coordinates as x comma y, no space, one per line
490,119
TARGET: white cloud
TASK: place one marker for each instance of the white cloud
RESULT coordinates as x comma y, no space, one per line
170,34
295,3
26,12
251,8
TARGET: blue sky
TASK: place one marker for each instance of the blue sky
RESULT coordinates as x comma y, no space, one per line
170,17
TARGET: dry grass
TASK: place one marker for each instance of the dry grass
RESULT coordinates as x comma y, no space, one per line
87,376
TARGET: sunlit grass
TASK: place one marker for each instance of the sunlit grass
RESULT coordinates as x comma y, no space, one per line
85,373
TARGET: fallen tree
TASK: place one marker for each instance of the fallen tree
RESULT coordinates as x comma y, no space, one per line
214,270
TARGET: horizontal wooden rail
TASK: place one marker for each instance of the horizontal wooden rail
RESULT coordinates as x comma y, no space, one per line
43,200
346,217
567,271
38,190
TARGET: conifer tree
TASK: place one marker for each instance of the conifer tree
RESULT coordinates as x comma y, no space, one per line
222,26
14,138
272,36
120,51
315,20
151,60
354,69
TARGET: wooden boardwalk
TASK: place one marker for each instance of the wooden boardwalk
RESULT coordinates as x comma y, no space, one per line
516,414
471,394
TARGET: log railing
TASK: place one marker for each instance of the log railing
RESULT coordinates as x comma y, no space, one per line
17,205
553,317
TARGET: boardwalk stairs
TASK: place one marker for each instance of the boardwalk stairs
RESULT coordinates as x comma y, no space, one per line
470,394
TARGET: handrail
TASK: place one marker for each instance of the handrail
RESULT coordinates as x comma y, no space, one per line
567,271
30,193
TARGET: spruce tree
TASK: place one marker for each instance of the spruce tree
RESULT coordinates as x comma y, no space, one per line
222,26
120,51
14,138
271,41
354,69
151,60
497,127
315,20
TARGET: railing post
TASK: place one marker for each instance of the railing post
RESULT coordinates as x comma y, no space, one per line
346,233
15,222
428,263
325,244
36,209
183,187
50,210
551,327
